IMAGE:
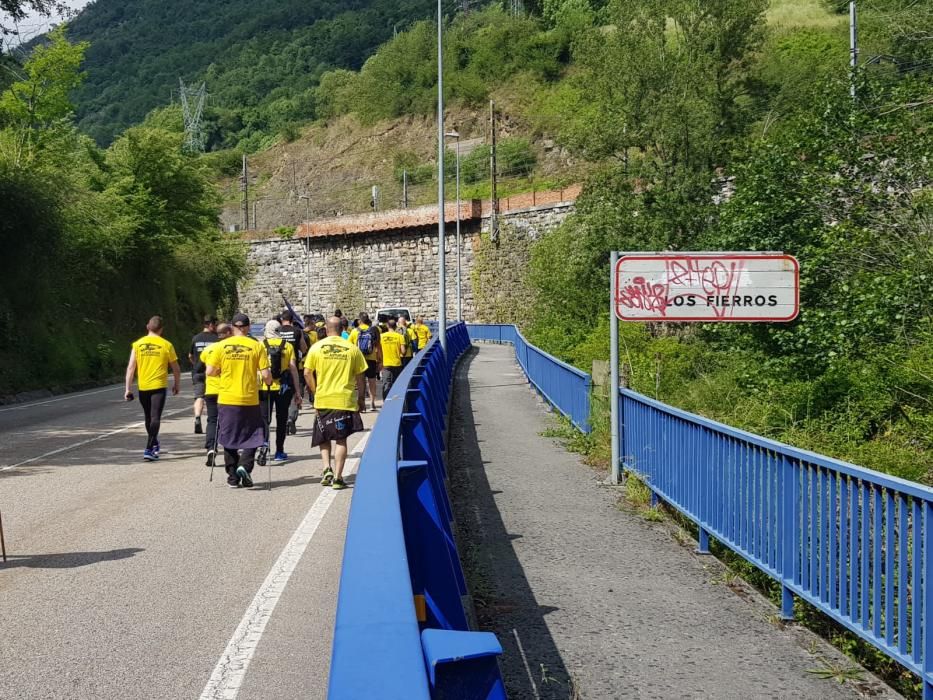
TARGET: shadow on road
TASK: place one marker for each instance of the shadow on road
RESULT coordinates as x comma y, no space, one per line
66,560
531,664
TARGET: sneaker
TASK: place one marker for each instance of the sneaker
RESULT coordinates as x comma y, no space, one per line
280,457
263,455
328,478
339,485
156,449
244,477
211,456
198,430
232,485
149,455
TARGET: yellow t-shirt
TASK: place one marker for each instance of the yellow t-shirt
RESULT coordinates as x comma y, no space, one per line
153,355
212,386
239,359
288,354
355,333
336,363
423,333
410,337
393,348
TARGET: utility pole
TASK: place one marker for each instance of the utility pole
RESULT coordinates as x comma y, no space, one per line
405,189
244,187
374,200
853,46
194,136
441,260
494,200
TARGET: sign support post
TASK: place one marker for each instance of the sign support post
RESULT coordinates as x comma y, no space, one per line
614,369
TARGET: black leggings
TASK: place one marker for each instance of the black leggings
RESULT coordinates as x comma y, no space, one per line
152,401
282,401
209,438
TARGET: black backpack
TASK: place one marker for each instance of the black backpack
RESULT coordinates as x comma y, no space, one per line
275,353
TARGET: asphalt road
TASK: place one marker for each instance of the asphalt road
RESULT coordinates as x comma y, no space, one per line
128,579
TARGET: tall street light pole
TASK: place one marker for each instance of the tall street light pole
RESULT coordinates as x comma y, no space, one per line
441,261
456,135
307,247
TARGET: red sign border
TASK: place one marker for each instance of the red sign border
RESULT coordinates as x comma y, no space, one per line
694,319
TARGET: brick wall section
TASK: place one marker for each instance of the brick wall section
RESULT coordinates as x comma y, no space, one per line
357,266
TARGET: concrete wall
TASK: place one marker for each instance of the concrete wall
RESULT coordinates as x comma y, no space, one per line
365,271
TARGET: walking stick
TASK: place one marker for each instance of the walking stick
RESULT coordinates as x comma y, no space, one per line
2,543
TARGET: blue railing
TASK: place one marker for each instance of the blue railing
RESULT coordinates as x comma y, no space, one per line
563,386
854,543
401,630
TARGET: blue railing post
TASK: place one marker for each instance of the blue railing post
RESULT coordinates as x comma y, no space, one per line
789,524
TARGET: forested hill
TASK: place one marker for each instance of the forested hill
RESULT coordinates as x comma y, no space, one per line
261,59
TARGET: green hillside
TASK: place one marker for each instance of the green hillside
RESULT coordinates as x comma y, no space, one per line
261,60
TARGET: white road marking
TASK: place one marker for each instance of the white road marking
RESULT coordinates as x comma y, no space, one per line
102,436
228,675
521,650
31,404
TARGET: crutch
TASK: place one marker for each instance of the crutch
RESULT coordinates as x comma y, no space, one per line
2,543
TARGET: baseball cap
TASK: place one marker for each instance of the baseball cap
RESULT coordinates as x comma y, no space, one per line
240,320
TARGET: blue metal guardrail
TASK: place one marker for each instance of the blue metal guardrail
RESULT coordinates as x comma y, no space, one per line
854,543
563,386
401,631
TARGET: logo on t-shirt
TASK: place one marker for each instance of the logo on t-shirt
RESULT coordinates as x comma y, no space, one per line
235,351
150,349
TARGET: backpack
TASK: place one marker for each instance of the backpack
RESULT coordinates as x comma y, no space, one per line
275,353
366,340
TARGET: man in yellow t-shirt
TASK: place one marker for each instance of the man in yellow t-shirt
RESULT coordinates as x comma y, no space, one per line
211,391
411,340
284,392
422,332
240,362
393,349
151,356
373,357
333,368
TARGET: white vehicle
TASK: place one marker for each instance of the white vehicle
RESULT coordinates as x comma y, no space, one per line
394,312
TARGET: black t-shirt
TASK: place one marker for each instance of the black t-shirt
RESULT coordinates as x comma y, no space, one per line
293,335
198,343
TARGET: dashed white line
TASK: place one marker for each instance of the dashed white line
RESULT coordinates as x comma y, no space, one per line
228,675
31,404
102,436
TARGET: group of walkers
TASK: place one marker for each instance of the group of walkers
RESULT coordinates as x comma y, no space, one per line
241,382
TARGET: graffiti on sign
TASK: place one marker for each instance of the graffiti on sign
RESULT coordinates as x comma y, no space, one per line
707,287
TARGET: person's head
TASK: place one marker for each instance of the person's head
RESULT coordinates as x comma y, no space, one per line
223,330
402,321
356,323
338,313
391,323
383,318
240,324
308,320
344,323
420,320
332,325
272,329
287,318
210,323
364,318
155,325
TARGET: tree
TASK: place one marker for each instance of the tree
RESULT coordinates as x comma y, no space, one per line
41,95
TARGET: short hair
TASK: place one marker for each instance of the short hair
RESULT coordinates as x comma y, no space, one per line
338,313
364,318
344,322
154,324
210,320
391,324
286,316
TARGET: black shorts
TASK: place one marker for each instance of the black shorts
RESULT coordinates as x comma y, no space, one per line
200,384
335,425
372,369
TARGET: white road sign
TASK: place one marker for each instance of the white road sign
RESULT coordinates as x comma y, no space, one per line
736,287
